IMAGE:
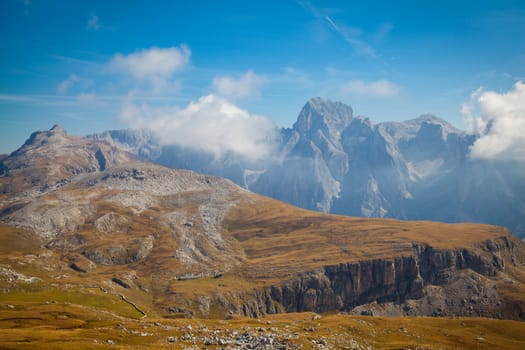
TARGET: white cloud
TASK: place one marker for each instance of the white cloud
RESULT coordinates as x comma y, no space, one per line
154,64
93,23
65,85
249,84
499,120
211,124
379,88
469,110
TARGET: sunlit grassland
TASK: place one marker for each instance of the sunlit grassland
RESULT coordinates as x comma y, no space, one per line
64,326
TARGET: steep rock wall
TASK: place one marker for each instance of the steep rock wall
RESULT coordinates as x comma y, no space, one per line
396,280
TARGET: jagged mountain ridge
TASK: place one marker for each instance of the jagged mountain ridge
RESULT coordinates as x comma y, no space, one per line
180,243
333,161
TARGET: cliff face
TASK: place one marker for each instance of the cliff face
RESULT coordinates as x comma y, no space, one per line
430,282
344,286
437,267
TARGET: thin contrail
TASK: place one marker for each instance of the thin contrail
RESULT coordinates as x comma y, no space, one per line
332,23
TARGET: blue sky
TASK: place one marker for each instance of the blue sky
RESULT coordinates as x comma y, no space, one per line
97,65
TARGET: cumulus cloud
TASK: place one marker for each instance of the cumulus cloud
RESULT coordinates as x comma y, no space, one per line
247,85
153,68
152,64
211,124
499,120
66,84
379,88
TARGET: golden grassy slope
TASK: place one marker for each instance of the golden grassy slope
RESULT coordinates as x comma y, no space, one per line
63,326
280,240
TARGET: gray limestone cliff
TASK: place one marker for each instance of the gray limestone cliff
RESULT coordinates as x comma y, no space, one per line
430,282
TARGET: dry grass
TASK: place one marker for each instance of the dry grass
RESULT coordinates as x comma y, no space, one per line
49,300
16,240
63,326
281,240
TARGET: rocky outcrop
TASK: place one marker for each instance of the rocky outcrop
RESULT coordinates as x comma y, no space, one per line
135,250
111,222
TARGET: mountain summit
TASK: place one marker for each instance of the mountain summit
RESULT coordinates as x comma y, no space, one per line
320,114
53,135
49,158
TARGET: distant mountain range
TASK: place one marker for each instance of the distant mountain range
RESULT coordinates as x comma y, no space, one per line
335,162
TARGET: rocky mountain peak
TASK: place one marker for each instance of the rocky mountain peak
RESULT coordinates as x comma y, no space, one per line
323,114
409,129
53,135
432,119
58,130
49,158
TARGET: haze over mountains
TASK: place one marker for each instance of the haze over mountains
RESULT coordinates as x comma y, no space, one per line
334,161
